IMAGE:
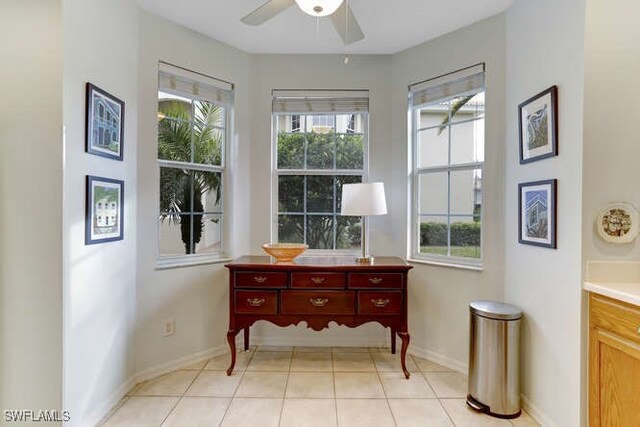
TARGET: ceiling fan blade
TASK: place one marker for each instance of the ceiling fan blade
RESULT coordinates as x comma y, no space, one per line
267,11
346,26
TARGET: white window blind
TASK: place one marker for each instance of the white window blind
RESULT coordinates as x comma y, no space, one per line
467,80
194,85
320,101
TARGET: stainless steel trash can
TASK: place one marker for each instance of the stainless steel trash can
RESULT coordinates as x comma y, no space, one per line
494,358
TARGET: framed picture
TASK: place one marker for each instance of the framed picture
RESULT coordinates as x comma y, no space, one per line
538,123
104,212
104,130
537,213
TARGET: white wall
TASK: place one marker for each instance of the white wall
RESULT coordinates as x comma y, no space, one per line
611,125
544,46
439,296
195,297
372,72
31,205
100,46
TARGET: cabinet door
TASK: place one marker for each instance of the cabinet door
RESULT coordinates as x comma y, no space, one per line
615,381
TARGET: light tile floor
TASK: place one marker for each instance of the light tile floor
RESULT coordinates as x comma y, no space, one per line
305,387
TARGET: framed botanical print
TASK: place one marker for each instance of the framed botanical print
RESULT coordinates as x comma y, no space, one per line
538,125
537,213
104,213
104,129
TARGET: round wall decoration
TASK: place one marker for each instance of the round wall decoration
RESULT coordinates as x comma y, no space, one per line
618,223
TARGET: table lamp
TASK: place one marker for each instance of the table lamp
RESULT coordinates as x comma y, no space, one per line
364,200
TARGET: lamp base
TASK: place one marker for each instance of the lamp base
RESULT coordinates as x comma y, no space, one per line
365,259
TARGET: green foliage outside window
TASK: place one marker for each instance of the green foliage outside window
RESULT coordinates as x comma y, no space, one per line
465,238
312,202
188,139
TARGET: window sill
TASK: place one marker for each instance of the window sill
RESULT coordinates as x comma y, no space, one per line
178,262
468,267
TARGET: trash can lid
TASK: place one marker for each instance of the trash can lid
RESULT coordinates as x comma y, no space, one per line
495,310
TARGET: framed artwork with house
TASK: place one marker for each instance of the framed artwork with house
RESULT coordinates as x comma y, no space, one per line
104,130
537,213
104,214
538,125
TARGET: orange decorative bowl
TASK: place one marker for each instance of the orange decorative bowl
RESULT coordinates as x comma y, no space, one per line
284,252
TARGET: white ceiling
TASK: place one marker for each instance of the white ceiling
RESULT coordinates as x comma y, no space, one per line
389,25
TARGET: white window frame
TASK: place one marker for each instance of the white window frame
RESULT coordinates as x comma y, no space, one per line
227,89
413,249
276,173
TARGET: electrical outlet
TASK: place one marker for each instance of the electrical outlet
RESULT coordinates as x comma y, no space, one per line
168,327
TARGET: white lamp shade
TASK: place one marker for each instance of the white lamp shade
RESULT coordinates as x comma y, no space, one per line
319,7
363,199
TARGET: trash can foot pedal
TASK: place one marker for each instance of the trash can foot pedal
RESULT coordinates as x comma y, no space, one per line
474,404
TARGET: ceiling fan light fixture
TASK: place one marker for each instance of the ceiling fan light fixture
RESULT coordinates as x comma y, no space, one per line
319,8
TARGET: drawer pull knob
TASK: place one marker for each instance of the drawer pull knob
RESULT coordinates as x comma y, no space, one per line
319,302
380,303
638,330
317,280
256,302
260,279
376,280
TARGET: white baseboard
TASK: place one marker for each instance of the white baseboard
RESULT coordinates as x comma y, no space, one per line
165,368
462,367
100,413
536,413
440,359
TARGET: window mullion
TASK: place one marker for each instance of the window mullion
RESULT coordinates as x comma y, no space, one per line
193,178
449,185
335,216
304,209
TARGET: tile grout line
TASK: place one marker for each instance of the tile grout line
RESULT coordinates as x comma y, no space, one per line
286,385
233,396
335,392
447,413
184,392
252,353
386,397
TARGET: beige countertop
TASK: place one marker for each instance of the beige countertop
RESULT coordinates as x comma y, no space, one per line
627,292
614,279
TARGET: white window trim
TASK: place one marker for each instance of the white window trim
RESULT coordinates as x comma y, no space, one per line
177,261
413,252
275,173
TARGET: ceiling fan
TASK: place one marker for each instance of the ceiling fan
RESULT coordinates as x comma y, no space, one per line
337,10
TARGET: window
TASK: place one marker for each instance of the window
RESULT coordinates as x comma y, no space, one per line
313,161
295,123
193,117
447,120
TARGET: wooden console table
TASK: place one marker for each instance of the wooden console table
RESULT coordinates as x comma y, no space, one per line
318,290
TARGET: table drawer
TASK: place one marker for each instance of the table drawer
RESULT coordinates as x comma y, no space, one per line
375,280
256,302
318,280
261,279
318,302
615,316
379,303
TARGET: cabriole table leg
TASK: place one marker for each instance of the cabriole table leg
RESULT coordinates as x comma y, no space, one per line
404,336
231,339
